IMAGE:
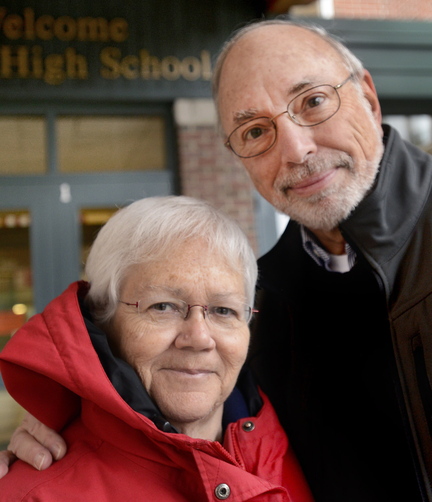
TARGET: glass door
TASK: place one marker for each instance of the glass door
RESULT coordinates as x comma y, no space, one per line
63,172
16,298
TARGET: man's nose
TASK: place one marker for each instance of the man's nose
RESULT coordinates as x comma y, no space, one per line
294,142
194,332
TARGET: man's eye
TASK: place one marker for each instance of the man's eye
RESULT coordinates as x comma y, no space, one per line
257,130
254,133
314,101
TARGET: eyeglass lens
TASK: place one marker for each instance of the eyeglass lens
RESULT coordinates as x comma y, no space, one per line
309,108
229,315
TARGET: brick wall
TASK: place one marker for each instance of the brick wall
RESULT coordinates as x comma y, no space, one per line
384,9
415,10
208,171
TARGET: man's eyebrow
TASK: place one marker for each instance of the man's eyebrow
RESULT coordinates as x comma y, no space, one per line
243,115
298,88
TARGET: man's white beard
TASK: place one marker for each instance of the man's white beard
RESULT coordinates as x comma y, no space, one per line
326,209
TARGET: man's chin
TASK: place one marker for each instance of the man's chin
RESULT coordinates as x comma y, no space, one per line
320,213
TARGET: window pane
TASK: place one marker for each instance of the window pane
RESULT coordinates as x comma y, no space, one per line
15,266
110,143
22,145
92,221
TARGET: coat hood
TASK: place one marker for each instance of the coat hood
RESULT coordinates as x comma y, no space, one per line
68,361
59,367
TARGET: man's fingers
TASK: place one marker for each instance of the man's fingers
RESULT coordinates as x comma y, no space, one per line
36,444
6,460
45,436
26,448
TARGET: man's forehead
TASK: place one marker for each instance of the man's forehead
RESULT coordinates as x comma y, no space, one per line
252,59
272,62
268,45
267,38
242,97
287,93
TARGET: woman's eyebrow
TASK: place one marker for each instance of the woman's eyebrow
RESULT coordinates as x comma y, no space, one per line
153,288
221,297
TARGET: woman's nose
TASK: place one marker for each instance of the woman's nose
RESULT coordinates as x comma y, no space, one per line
195,333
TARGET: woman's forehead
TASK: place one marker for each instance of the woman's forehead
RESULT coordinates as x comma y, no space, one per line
186,272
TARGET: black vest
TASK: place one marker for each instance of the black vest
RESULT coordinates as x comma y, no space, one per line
334,390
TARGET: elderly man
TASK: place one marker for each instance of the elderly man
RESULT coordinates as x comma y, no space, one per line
342,345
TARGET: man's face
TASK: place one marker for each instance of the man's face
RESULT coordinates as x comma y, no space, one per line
318,174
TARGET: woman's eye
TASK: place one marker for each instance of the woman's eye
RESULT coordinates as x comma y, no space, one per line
224,312
163,307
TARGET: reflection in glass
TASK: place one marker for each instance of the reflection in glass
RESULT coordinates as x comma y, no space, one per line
110,143
16,300
92,220
22,145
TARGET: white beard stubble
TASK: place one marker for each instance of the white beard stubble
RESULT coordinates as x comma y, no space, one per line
325,210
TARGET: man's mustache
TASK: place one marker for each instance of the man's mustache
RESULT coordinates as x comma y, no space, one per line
312,167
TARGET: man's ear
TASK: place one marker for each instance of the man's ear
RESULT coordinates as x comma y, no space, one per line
371,95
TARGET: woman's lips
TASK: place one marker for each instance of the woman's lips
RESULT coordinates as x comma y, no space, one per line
189,372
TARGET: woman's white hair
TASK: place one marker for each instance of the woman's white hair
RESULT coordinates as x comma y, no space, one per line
150,228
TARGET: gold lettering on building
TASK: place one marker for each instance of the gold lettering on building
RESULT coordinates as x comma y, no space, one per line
148,67
65,28
28,62
23,60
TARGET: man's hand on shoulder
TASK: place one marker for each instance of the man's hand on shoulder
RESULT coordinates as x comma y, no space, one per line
6,460
34,443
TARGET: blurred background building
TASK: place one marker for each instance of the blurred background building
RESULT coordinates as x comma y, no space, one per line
107,101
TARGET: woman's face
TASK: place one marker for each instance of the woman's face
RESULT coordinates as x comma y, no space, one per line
188,366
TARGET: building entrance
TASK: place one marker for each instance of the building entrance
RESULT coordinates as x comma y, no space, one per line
62,175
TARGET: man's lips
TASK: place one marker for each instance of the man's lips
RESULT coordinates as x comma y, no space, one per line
313,184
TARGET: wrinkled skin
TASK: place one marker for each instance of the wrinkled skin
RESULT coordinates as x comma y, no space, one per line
318,174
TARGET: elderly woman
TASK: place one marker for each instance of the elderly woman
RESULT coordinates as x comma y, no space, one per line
141,370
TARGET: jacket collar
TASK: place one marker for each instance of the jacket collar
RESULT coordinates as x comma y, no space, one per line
243,402
385,219
379,226
122,376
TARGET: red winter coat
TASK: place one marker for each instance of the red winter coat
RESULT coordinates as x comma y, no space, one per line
117,454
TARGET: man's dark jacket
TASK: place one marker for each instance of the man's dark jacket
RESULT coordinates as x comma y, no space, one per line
347,358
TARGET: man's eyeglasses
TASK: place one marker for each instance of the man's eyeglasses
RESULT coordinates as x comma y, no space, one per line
229,315
309,108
